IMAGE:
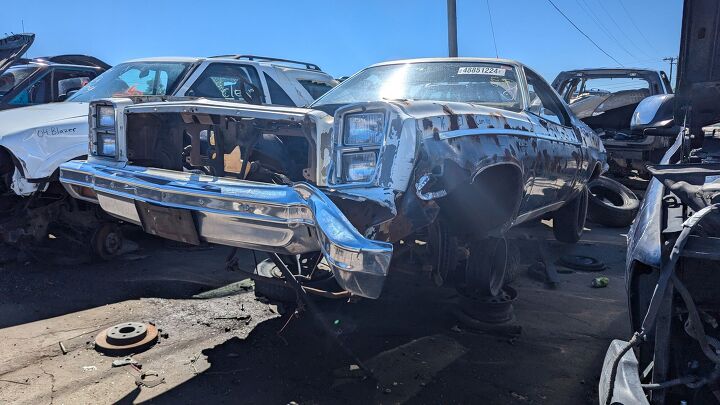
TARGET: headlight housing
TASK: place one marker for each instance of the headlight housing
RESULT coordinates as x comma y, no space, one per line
364,129
363,134
358,167
106,117
104,140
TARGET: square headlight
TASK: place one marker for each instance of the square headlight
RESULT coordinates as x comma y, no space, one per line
106,144
364,129
106,117
359,167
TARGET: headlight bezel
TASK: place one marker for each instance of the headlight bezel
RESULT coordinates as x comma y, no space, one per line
103,134
344,149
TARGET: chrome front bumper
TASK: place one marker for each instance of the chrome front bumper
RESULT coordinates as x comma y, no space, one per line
275,218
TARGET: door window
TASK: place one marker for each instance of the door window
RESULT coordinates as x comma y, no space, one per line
228,81
277,94
543,100
68,81
36,93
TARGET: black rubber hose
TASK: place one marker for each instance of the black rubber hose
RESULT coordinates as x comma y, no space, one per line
666,274
634,341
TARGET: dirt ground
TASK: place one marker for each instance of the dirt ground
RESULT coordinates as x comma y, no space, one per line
224,346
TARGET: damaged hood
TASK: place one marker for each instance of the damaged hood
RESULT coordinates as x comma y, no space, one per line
452,116
13,48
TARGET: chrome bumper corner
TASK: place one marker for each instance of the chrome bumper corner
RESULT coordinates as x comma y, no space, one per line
275,218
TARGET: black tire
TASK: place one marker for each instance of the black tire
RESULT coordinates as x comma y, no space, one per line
611,203
486,267
569,220
443,246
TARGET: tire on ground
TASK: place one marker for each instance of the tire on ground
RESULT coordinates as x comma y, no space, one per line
569,220
611,203
486,267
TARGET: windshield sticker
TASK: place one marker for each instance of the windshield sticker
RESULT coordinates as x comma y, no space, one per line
477,70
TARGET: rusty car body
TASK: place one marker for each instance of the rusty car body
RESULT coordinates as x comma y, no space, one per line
469,146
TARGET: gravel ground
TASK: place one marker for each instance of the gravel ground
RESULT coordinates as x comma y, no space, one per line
225,346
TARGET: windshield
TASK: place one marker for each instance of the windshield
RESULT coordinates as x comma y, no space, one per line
13,76
491,84
134,79
595,95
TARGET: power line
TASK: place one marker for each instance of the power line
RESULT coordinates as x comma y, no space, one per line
583,33
492,28
620,28
586,7
635,25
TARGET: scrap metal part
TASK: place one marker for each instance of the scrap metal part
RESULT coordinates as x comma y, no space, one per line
126,337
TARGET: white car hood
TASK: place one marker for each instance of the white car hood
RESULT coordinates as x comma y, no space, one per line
21,119
44,136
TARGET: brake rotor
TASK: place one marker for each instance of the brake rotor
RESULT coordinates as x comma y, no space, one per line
128,337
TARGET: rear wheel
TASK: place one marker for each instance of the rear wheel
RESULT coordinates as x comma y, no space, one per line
569,220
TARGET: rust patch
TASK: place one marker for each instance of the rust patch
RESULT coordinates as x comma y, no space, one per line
454,122
427,123
471,123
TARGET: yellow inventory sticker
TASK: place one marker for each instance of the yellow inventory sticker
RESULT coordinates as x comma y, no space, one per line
480,70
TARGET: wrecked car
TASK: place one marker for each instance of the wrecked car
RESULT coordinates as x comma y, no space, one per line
610,101
467,147
35,140
672,257
25,82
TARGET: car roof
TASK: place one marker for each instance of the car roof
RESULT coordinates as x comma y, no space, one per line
46,63
611,70
454,59
235,58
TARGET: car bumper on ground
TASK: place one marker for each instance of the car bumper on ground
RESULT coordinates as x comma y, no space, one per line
275,218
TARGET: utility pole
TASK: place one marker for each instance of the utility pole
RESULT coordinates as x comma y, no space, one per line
452,29
672,60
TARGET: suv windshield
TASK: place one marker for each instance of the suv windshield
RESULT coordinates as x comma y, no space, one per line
491,84
134,79
13,76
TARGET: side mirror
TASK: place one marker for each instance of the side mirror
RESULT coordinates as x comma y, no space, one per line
653,113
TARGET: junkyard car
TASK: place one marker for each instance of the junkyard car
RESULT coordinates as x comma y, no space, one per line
25,82
672,265
469,147
35,140
610,100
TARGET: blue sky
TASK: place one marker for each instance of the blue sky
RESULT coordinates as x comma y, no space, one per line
345,36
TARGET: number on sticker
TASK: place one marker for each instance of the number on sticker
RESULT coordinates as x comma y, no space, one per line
479,70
